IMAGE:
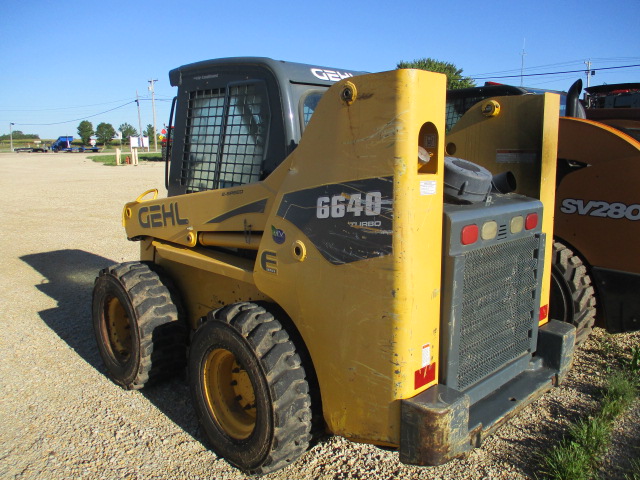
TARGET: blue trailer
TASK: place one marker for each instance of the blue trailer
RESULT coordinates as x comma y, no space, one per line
63,144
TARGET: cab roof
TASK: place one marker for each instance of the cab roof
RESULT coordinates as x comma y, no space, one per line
293,72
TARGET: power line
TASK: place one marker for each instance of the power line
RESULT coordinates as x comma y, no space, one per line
560,64
76,119
556,80
58,108
159,98
551,73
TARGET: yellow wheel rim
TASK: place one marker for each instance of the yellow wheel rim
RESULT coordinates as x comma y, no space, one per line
229,394
118,329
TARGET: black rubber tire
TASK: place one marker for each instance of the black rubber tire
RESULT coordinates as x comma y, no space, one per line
281,426
151,333
572,298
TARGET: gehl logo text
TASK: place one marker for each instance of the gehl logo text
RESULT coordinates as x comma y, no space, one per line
161,216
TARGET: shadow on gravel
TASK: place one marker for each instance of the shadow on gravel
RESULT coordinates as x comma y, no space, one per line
536,438
550,427
70,275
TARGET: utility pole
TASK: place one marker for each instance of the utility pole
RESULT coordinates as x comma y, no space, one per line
11,135
153,105
589,72
139,121
524,42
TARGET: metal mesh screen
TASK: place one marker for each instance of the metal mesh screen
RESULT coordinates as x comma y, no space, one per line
226,137
244,137
497,308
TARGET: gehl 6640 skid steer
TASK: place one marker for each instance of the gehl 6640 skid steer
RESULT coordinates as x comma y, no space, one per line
320,265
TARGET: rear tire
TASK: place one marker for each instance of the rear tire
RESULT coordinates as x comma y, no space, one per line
572,294
249,389
140,335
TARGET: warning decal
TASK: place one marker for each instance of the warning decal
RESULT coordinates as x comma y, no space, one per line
516,156
425,375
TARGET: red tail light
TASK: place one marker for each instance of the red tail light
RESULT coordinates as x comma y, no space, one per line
469,234
544,312
531,222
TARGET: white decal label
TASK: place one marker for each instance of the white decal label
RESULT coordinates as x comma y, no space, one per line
592,208
426,355
355,205
428,187
515,156
330,75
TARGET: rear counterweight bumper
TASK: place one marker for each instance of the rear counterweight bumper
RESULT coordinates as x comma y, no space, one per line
440,423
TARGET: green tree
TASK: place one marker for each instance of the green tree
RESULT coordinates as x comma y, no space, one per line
127,131
85,130
455,79
105,132
149,132
18,135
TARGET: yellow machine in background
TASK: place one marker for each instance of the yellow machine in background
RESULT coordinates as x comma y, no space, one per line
337,273
595,272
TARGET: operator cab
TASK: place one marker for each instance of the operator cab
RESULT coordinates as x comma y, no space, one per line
237,119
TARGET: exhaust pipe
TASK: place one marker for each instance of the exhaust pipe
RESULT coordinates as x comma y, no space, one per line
504,182
574,107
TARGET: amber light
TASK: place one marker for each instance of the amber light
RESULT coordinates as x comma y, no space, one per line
489,230
517,224
531,222
469,234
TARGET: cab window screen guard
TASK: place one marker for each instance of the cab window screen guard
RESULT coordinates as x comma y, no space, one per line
226,136
457,107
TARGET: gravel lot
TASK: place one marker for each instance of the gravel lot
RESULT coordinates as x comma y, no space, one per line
61,418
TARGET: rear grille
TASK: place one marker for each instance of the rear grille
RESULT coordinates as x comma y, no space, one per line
498,303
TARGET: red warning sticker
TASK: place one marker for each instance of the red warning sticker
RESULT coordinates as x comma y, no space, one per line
425,375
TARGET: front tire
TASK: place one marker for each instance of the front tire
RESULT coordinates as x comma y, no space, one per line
572,297
249,389
136,322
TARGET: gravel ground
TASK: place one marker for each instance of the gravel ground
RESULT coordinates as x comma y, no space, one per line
60,417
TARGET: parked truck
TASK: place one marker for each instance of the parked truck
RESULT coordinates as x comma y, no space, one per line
595,271
63,144
327,267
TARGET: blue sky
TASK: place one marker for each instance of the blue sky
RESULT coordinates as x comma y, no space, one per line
71,60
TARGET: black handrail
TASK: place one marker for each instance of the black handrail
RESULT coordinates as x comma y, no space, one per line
166,160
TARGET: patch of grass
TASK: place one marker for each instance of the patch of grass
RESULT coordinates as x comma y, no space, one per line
592,435
620,393
567,460
580,453
632,364
110,160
